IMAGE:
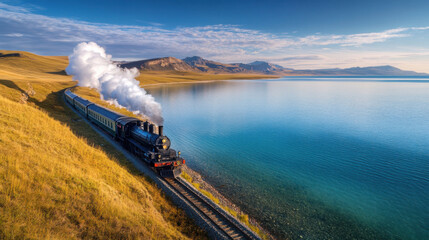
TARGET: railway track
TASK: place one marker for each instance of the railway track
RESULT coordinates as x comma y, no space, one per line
217,222
226,224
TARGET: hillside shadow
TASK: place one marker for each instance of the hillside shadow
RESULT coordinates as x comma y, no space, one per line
25,96
62,72
11,84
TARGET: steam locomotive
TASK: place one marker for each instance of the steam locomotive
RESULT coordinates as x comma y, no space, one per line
141,138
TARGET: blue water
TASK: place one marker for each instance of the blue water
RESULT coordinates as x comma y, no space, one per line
316,158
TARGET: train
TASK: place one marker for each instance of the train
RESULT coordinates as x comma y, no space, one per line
142,138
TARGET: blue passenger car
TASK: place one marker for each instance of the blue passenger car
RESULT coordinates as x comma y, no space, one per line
104,118
81,105
70,96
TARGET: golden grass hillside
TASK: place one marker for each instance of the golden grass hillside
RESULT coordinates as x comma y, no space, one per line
32,67
54,185
58,178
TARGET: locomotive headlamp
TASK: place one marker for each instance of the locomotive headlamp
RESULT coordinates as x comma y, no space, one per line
159,156
164,140
164,146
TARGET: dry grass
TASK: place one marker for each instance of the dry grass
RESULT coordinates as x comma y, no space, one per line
32,67
54,185
59,178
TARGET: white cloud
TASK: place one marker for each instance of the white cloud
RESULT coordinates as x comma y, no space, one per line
349,58
13,35
420,28
13,8
355,39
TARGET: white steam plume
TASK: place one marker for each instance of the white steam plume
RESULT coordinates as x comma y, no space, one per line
92,67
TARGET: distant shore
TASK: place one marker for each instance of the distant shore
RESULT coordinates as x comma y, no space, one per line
157,78
154,85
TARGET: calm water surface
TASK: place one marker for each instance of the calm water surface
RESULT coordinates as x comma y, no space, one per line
311,158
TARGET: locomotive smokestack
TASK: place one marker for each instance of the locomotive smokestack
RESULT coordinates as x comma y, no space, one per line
161,130
146,126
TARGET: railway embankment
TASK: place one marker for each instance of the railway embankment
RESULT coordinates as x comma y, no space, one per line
197,181
204,218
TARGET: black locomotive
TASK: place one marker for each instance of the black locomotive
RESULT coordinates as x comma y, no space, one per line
141,138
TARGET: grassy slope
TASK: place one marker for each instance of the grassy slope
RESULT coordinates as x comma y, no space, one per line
58,178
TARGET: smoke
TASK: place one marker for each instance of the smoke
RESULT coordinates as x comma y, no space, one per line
92,67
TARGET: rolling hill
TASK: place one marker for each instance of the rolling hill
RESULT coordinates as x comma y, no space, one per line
359,71
59,178
264,67
161,64
200,65
213,67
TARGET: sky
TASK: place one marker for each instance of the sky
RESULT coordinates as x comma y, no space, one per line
299,34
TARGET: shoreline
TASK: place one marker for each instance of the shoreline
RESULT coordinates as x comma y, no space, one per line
153,79
150,85
155,85
171,192
224,202
205,187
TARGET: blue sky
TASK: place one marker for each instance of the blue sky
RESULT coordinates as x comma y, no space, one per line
299,34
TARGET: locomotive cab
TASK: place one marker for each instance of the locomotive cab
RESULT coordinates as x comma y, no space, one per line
124,125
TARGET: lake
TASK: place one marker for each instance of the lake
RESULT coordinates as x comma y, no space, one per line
311,157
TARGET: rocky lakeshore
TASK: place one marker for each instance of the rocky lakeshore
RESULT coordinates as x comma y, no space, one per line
197,180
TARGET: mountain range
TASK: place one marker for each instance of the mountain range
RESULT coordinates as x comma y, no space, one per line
198,64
